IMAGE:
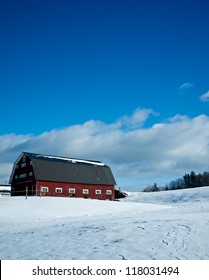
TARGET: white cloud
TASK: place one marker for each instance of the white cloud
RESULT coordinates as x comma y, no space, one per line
137,119
205,97
186,85
137,155
185,88
9,141
178,118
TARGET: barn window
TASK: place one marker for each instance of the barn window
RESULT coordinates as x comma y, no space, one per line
71,190
23,165
24,159
58,190
17,166
108,192
44,189
85,191
98,191
16,176
22,176
30,173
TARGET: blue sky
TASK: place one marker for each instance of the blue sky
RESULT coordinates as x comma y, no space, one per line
66,63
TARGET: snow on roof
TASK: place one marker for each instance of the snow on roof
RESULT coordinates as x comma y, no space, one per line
72,160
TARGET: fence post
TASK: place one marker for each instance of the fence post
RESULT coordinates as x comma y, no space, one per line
26,193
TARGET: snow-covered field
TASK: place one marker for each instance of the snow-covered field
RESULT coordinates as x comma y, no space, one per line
164,225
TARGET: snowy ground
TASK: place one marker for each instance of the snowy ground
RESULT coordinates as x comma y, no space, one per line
164,225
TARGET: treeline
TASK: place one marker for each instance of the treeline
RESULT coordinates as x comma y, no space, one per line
191,180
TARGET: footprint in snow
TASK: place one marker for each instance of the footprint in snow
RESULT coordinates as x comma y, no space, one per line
123,258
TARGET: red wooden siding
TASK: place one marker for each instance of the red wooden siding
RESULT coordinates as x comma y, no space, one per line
52,186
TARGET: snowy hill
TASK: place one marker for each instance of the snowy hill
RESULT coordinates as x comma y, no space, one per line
163,225
165,197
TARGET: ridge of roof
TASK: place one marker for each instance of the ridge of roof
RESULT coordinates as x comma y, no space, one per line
61,158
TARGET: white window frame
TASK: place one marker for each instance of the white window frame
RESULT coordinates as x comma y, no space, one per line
109,192
98,192
71,191
58,190
85,191
44,189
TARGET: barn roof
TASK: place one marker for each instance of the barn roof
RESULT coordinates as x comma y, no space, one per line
64,169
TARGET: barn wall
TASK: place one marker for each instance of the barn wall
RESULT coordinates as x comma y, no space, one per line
52,186
23,177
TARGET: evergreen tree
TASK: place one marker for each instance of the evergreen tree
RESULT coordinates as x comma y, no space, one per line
187,180
193,180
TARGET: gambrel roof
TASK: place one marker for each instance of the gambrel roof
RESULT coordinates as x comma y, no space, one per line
64,169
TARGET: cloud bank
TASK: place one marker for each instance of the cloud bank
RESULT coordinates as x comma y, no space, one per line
138,155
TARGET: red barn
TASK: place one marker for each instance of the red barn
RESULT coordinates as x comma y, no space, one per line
38,174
